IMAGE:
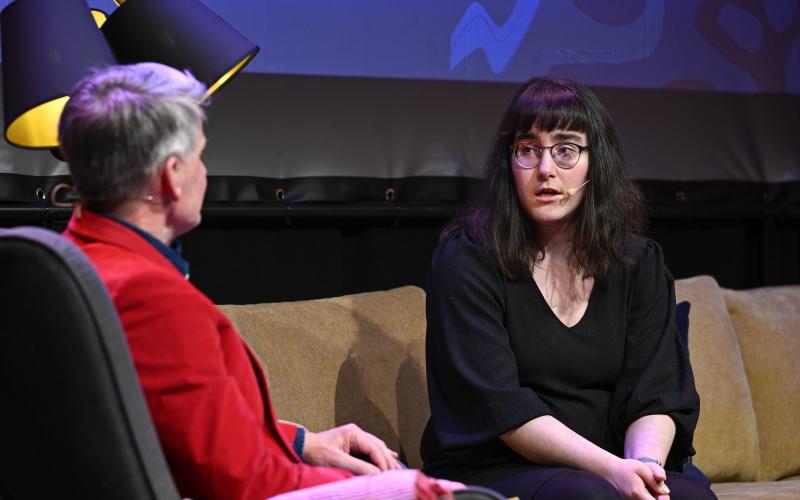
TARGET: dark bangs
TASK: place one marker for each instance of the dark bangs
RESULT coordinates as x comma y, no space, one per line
550,105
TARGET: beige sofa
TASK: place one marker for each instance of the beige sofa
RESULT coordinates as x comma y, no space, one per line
360,358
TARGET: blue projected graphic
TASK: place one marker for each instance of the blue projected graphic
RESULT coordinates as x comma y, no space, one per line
477,30
598,43
724,45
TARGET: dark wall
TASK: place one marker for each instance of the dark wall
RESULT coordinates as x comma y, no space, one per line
250,254
280,257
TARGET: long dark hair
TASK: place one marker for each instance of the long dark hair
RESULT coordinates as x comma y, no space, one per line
612,207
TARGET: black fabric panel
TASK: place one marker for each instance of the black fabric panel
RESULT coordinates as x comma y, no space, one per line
722,199
229,189
352,195
28,189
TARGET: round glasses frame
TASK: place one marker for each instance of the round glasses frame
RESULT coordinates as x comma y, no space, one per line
558,159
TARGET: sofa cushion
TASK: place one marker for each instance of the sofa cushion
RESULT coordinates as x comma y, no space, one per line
767,322
357,358
765,489
726,438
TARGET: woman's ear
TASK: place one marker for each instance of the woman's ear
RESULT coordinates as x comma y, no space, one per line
171,179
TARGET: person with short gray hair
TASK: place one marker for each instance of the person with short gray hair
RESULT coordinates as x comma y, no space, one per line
133,138
108,162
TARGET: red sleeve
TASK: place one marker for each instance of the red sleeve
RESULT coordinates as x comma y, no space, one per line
196,383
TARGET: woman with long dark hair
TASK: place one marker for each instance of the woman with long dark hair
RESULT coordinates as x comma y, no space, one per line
555,369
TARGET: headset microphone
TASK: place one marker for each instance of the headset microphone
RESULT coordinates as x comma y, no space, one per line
571,191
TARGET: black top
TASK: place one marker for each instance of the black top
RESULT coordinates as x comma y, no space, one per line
498,357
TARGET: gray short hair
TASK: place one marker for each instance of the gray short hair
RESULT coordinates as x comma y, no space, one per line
122,122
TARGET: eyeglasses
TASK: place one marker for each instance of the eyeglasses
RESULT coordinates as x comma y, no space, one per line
564,154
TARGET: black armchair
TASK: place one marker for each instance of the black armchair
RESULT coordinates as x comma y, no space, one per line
73,420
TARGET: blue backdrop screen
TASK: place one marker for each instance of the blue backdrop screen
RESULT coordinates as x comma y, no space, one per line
718,45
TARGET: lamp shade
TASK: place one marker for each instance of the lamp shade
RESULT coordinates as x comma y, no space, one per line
99,17
47,47
184,34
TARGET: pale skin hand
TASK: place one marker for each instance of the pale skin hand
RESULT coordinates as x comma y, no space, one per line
636,480
651,436
547,441
334,448
660,475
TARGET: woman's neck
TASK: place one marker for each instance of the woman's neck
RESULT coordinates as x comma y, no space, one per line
555,241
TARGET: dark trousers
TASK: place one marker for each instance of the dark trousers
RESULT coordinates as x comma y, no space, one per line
562,483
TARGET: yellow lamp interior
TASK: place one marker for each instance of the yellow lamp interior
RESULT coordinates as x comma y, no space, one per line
38,127
99,17
227,76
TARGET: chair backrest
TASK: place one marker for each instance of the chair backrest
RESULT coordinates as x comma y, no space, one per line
73,420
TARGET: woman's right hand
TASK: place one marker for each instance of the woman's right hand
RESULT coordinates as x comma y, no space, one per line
635,480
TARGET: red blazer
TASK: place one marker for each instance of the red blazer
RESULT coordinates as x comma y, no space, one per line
207,395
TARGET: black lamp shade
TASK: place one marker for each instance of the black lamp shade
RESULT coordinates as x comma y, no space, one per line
184,34
47,47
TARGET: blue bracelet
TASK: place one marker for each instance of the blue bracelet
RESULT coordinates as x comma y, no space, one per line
648,460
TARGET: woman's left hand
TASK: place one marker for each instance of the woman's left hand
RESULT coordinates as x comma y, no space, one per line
660,477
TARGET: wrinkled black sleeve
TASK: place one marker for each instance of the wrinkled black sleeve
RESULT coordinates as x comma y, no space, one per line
657,376
473,385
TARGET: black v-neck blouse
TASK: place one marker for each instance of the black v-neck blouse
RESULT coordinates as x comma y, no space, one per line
498,357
